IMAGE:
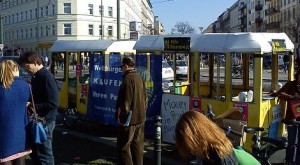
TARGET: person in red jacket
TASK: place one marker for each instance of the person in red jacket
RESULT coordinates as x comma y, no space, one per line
131,115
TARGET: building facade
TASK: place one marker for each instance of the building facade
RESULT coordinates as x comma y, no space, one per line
263,16
37,24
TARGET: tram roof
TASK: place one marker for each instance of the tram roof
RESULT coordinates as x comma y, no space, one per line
219,42
80,45
122,46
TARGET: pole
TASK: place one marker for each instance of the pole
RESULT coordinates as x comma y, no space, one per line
157,146
101,19
118,19
1,35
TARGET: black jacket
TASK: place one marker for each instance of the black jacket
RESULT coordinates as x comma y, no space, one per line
45,94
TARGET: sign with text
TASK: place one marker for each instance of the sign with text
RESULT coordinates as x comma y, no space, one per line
172,107
177,44
243,109
278,46
195,104
105,80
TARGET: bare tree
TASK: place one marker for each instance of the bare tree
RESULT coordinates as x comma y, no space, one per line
183,28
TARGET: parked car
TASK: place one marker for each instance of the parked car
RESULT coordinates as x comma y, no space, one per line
167,71
23,73
167,86
181,68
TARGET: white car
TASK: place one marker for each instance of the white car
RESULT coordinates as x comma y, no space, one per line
181,68
167,71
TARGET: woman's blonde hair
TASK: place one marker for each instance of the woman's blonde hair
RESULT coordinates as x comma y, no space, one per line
7,67
196,135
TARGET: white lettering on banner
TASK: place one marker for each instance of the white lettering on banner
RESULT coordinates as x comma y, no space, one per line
108,109
110,82
172,107
107,68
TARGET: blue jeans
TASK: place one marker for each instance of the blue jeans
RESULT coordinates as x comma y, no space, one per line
42,154
291,151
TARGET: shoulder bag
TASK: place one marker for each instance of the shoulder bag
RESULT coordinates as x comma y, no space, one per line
36,128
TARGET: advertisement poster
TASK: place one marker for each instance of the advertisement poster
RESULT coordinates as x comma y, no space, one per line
243,109
105,81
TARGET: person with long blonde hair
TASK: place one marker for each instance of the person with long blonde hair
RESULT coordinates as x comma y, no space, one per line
197,136
14,94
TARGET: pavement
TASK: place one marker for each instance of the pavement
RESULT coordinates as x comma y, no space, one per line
81,142
95,137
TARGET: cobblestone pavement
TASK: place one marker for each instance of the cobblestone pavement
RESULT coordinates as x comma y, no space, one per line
91,144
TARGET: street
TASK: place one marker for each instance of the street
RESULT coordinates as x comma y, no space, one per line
90,143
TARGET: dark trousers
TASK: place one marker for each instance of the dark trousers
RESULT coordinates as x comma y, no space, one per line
291,151
130,144
42,154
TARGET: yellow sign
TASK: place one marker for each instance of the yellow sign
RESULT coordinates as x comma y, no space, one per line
278,46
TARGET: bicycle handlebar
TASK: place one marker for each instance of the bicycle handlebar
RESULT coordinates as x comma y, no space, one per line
291,122
228,130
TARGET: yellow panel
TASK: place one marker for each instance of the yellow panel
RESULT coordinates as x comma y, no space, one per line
63,96
82,101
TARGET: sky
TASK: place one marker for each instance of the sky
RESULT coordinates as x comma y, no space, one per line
198,13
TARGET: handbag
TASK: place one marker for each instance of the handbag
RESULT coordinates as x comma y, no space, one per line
36,128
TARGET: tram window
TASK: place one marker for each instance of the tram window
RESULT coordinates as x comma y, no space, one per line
242,77
280,72
57,65
204,63
85,67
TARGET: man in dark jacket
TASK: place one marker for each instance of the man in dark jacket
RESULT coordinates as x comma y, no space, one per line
131,115
45,95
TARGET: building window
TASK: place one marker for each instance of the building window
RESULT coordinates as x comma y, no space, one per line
109,30
67,8
31,33
100,10
67,29
47,10
26,33
42,32
110,11
53,30
22,16
53,9
17,17
47,31
91,29
26,15
42,11
100,30
30,14
91,11
36,13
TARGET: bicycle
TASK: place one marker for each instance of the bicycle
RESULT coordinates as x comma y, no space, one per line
263,146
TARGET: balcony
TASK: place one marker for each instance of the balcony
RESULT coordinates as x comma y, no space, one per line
258,20
242,16
272,10
272,26
242,6
258,7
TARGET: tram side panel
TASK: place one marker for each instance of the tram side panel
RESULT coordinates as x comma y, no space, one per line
106,78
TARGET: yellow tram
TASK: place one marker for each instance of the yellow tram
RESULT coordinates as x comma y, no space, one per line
225,70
